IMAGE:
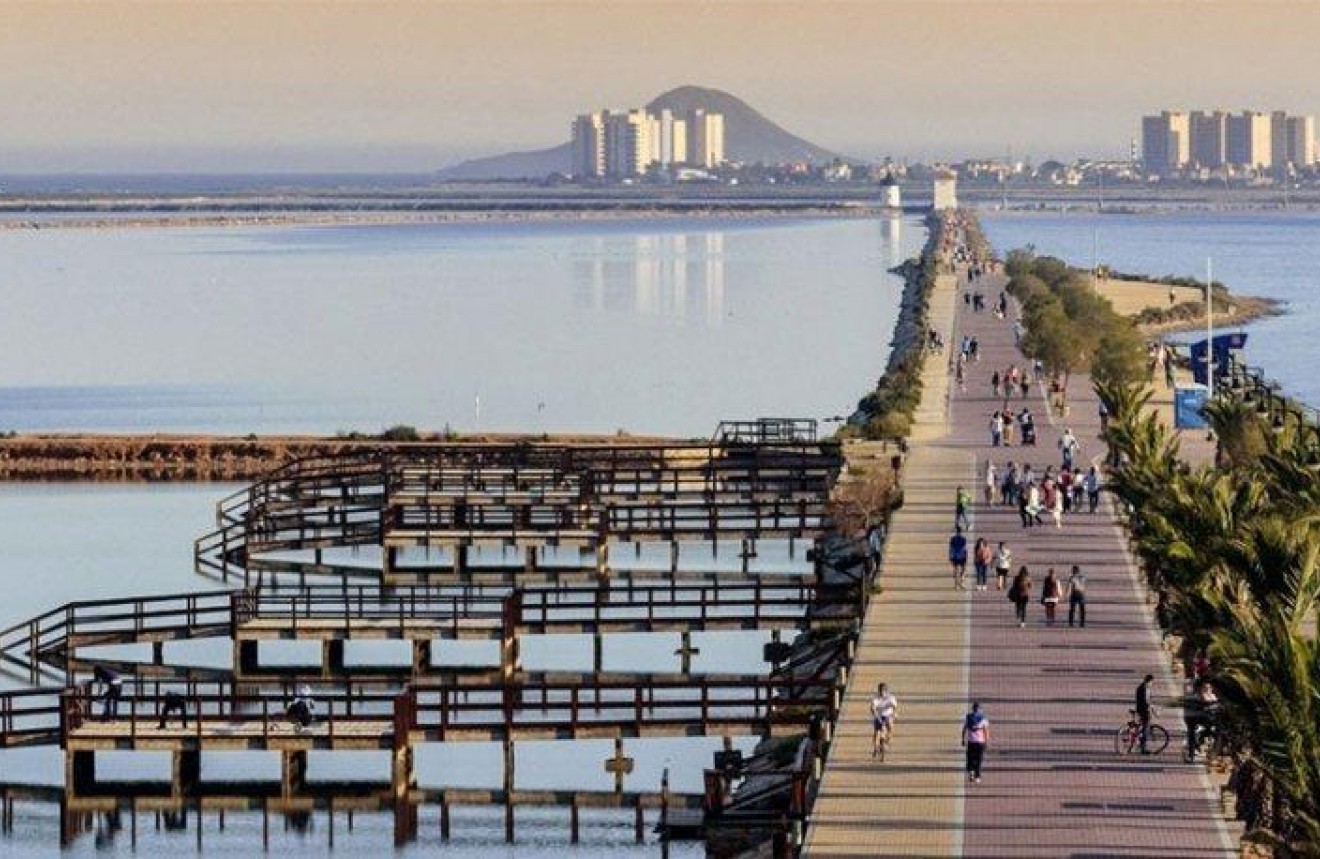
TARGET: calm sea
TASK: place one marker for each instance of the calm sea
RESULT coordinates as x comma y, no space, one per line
661,326
1269,254
651,326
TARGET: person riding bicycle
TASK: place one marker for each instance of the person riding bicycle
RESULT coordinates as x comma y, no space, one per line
884,707
1200,714
1144,710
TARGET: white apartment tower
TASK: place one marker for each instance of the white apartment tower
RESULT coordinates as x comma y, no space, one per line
1165,142
628,145
589,145
705,139
669,139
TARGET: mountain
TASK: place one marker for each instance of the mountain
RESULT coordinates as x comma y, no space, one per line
748,137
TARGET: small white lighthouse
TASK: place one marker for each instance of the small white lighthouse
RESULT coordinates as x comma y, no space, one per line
891,195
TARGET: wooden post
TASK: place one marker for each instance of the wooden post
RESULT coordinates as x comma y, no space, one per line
402,772
332,656
508,789
573,828
293,772
185,772
444,817
79,772
421,656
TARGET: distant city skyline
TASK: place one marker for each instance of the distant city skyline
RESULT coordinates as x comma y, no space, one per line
409,85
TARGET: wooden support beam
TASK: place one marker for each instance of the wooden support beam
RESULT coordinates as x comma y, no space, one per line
293,772
185,772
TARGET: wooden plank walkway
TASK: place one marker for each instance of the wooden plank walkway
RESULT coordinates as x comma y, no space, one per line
1053,785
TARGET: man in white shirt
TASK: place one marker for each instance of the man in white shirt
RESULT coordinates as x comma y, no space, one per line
884,707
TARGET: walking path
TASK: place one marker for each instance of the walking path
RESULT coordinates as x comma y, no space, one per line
1053,785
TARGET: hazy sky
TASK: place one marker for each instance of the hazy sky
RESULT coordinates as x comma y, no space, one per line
324,85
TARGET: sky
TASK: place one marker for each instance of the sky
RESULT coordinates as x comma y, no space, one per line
414,85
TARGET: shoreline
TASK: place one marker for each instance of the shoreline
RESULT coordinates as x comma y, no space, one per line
17,221
53,457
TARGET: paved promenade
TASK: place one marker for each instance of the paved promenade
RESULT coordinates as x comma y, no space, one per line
1055,695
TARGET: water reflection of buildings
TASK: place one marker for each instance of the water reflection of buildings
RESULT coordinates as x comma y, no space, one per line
891,231
678,275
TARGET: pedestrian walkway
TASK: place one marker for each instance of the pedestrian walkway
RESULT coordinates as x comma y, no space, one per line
1053,785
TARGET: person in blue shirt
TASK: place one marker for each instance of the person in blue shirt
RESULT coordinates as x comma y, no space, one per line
958,558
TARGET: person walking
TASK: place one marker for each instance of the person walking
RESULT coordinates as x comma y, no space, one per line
1056,505
1144,710
991,481
1077,595
975,738
958,558
996,429
962,502
981,558
1092,483
884,709
1068,447
174,702
1020,593
1051,591
994,383
1003,564
111,692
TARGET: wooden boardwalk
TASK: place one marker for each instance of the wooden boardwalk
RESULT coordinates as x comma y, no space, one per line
1054,695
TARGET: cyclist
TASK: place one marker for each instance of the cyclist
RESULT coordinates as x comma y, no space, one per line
884,708
1144,710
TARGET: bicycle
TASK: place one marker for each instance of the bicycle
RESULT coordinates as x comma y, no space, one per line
1128,739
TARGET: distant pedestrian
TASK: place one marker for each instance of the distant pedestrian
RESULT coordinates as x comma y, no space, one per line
974,349
958,558
112,690
1051,591
302,709
981,558
1093,488
991,482
1020,593
994,383
962,503
1077,595
1068,447
1003,564
975,738
1026,386
173,703
1056,505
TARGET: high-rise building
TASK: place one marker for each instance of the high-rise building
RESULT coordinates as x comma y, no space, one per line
1248,140
705,139
1209,133
1279,140
1165,142
669,139
589,145
628,144
1300,132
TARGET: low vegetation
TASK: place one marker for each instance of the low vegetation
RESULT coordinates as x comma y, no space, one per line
1069,328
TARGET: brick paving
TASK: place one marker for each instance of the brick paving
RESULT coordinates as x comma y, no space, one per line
1053,785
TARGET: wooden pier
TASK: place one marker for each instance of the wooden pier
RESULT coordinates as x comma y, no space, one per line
285,540
751,482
